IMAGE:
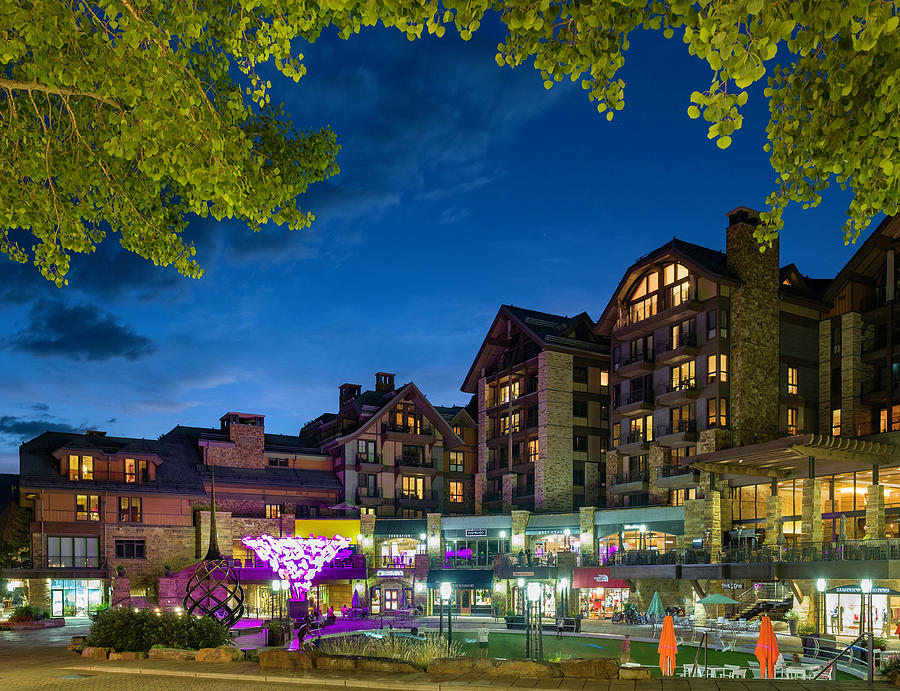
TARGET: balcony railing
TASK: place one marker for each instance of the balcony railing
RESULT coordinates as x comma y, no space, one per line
369,492
399,561
370,458
73,562
641,396
633,438
427,495
415,461
640,475
407,429
687,384
631,359
683,340
673,470
519,492
491,496
457,562
664,300
676,427
496,465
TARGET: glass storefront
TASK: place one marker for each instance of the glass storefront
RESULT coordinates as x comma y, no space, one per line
602,603
842,614
634,539
74,597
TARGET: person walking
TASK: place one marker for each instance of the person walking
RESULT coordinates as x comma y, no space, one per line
483,635
625,655
559,624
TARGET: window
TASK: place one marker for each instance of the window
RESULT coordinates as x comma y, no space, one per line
711,325
506,389
579,442
723,324
717,412
604,377
130,549
792,417
714,372
505,424
683,376
682,452
457,430
457,461
641,428
617,434
883,419
677,497
836,340
306,511
413,454
87,507
456,492
410,513
72,470
532,450
129,509
278,462
793,379
130,471
531,419
674,272
579,375
683,334
836,422
578,477
413,487
366,511
579,409
390,599
81,468
273,510
73,552
365,451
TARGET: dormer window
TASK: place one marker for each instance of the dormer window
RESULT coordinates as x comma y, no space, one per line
130,470
80,468
136,470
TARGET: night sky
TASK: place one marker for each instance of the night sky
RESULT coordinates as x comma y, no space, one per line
463,186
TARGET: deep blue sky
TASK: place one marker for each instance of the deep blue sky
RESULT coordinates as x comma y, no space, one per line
463,186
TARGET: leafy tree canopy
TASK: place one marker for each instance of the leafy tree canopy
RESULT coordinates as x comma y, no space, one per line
128,116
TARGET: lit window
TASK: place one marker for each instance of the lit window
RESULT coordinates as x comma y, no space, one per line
792,416
714,372
792,381
456,492
72,470
617,433
129,509
87,507
413,487
457,430
604,377
532,450
130,475
836,422
273,510
457,461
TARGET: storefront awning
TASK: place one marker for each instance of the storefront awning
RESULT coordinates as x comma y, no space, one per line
480,579
399,527
596,577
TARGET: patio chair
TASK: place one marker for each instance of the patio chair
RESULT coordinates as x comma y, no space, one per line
690,670
780,668
736,671
742,624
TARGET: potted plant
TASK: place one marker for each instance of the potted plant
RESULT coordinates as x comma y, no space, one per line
890,667
168,570
791,617
879,643
120,570
275,633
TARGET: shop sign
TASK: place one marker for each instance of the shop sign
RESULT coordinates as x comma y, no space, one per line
389,573
522,573
476,532
732,585
601,578
856,590
640,528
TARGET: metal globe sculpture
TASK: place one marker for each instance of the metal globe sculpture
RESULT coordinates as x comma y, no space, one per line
214,589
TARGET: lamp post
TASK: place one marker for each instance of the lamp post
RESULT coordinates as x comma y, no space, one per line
566,533
820,606
534,596
446,589
865,617
564,587
520,595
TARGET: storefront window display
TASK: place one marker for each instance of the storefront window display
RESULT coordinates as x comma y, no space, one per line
74,597
842,613
472,551
637,538
401,552
602,603
548,598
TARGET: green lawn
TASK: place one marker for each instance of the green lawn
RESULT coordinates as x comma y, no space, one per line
510,645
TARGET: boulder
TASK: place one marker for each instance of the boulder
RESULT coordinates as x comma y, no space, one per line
529,669
285,659
213,655
462,665
590,668
236,654
96,653
170,654
634,673
375,664
336,663
76,645
127,656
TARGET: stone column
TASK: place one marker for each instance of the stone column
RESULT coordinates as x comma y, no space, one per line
693,521
811,512
518,524
773,519
586,530
875,512
825,376
38,593
367,538
433,532
655,461
591,482
553,469
509,481
713,523
481,444
612,469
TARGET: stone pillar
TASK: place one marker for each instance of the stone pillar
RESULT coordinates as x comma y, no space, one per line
875,512
433,532
855,419
482,450
553,469
713,523
773,519
694,527
655,461
479,492
367,538
509,481
518,524
825,377
811,512
613,463
586,530
591,482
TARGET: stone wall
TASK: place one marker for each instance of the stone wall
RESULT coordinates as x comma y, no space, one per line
247,452
713,439
825,377
592,483
553,470
586,530
657,458
613,468
518,525
172,546
223,532
874,512
433,531
481,445
773,519
811,511
755,337
855,417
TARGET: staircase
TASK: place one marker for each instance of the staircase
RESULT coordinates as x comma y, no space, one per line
761,599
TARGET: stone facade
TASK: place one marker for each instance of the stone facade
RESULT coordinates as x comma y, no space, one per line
248,450
713,439
592,483
874,512
811,516
773,519
754,350
825,376
553,470
657,458
172,546
435,547
518,525
481,445
613,468
855,418
586,530
223,532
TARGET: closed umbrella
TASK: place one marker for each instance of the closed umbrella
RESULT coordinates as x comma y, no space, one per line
667,647
766,649
656,608
403,602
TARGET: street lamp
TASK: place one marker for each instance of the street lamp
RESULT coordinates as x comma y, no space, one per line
520,594
534,617
820,605
865,586
446,589
566,533
564,587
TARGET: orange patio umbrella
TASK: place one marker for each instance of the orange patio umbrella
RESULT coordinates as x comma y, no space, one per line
766,648
667,648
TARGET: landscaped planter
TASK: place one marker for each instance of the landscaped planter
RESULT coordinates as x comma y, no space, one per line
29,625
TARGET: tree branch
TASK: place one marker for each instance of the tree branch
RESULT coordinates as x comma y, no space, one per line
15,85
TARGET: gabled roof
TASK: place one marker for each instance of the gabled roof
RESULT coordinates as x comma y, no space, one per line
288,478
548,331
867,252
701,260
389,399
800,287
454,413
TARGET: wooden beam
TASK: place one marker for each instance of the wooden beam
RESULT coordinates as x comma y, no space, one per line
740,469
695,584
848,456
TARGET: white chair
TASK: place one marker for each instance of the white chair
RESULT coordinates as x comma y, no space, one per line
690,670
780,668
732,670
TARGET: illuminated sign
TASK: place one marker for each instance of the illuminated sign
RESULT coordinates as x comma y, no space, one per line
640,528
476,532
601,578
522,573
389,573
460,553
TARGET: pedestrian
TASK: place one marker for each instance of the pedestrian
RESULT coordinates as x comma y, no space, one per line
559,624
625,655
521,558
483,635
528,557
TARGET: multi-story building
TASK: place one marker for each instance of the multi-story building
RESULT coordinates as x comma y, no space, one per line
388,449
460,463
541,382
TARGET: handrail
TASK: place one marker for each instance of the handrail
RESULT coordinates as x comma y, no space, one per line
839,656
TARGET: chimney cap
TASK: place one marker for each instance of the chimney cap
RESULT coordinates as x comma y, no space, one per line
94,433
747,209
385,374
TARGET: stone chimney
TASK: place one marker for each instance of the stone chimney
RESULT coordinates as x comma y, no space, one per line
248,434
384,382
348,392
754,331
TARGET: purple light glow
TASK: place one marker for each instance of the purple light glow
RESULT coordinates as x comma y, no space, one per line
297,559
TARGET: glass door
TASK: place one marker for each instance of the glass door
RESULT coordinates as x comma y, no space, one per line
56,598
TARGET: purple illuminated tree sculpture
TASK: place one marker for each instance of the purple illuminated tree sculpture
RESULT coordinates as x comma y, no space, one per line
214,589
297,559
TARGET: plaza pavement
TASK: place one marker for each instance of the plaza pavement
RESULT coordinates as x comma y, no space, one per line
39,660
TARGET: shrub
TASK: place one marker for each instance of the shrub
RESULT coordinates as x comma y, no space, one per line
879,643
805,630
890,665
415,650
125,630
791,614
28,613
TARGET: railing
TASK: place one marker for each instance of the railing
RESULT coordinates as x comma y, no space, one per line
665,299
109,514
676,427
527,491
633,438
415,461
427,495
496,465
491,496
369,492
72,562
457,562
407,429
683,340
643,557
370,458
632,476
675,469
401,561
687,384
645,356
642,396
